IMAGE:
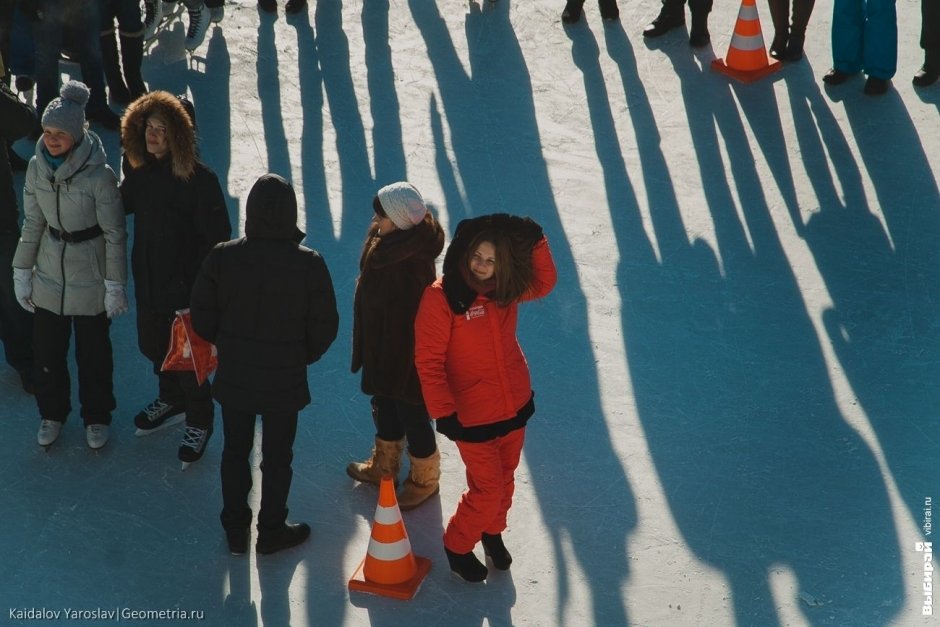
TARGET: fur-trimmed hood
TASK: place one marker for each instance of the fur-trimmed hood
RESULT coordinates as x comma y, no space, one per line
180,132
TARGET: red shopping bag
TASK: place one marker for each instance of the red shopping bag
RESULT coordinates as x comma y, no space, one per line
188,351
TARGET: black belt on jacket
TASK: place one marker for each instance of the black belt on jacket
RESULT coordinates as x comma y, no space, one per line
76,236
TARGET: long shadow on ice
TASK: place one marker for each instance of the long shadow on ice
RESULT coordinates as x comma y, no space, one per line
497,147
884,280
760,469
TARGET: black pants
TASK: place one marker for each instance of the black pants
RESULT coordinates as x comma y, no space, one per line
695,6
51,338
278,430
177,388
16,324
396,419
930,25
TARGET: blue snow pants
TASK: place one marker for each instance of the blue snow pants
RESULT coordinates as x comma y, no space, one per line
865,37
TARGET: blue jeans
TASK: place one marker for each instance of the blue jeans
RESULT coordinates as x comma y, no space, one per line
865,37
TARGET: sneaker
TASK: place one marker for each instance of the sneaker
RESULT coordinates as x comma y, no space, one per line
198,26
216,14
237,540
157,415
48,432
153,14
193,445
287,536
97,435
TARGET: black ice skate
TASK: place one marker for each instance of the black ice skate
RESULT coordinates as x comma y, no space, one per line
193,445
156,416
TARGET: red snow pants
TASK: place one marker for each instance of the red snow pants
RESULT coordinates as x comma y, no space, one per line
491,468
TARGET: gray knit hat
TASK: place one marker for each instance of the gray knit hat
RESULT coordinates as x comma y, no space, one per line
67,112
402,204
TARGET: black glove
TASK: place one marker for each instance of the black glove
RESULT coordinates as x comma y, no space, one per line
449,427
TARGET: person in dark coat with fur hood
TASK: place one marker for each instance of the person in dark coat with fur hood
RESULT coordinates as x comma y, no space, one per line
397,263
179,215
268,305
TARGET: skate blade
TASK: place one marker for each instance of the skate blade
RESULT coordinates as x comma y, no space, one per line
175,420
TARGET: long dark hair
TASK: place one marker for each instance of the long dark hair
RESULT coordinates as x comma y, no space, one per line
513,269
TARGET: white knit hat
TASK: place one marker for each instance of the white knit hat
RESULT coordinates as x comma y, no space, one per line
403,204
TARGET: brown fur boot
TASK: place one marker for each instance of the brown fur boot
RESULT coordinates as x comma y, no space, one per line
422,483
385,460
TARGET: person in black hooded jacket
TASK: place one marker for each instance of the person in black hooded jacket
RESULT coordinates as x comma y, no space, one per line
268,304
179,215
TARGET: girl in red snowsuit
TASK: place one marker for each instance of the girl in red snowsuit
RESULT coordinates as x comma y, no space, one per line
474,377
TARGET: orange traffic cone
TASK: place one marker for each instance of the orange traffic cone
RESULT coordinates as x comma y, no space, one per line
747,57
389,568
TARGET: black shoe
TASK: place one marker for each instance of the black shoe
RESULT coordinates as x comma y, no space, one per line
572,12
105,117
836,77
284,538
699,36
794,48
664,23
268,6
609,10
778,47
493,547
926,76
237,540
876,86
466,565
295,6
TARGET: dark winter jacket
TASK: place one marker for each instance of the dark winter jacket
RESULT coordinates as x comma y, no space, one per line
16,120
393,271
177,202
268,304
466,350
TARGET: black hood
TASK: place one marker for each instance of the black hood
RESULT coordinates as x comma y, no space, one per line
272,210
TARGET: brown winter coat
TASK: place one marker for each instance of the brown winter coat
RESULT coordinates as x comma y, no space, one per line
394,270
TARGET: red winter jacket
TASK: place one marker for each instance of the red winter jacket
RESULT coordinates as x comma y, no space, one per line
471,363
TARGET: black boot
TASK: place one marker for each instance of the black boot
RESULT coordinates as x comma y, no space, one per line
237,540
802,9
493,547
930,71
112,69
781,22
667,19
572,12
132,57
285,537
609,10
699,35
466,565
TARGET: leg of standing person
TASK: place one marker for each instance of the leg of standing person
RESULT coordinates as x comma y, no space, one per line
111,62
95,361
929,72
52,334
84,21
510,450
424,475
277,453
880,45
131,32
388,446
153,338
780,17
16,324
238,429
48,35
802,10
698,34
200,414
198,23
671,15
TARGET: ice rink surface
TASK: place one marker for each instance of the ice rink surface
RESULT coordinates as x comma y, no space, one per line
736,377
